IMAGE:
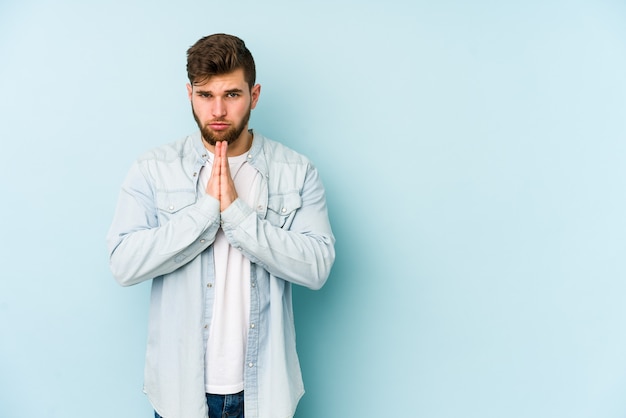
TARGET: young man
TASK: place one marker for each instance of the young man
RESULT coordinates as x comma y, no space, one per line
223,222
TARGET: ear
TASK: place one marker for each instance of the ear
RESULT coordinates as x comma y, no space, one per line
255,92
189,91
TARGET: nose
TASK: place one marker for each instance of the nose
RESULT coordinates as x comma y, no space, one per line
219,109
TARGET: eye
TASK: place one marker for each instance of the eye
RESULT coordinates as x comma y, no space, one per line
232,95
204,94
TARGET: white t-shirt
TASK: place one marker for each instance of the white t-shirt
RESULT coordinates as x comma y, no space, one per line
226,347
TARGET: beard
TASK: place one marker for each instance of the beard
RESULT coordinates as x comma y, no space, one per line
229,135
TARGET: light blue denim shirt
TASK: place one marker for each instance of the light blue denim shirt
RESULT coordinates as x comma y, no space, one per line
163,230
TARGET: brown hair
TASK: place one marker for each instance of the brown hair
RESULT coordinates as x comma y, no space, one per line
219,54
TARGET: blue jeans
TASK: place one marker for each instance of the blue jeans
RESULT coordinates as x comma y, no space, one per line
222,406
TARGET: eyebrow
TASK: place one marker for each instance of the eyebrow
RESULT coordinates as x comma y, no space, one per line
200,91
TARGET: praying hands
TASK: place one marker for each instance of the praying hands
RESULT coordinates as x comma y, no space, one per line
221,185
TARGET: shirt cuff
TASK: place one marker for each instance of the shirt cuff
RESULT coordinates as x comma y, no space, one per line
235,214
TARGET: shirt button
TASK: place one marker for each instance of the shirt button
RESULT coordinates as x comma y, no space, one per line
250,364
253,284
202,241
260,207
206,326
209,285
249,156
283,210
251,325
171,207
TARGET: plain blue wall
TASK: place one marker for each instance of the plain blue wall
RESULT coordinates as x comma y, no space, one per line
473,154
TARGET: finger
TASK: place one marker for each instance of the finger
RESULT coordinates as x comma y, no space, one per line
225,165
224,151
213,185
228,194
217,161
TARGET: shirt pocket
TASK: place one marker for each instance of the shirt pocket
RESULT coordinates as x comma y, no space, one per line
281,208
169,203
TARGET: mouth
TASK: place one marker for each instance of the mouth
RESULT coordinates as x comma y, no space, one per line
219,126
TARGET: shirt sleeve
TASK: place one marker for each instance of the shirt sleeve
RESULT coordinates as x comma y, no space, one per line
142,245
300,251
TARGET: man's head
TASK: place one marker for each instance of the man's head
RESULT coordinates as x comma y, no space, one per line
222,90
217,55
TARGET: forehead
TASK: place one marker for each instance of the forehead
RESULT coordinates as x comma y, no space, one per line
227,81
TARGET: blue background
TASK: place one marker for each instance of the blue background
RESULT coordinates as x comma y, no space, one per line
473,154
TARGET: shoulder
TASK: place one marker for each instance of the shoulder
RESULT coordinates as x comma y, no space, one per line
170,166
172,151
281,153
286,169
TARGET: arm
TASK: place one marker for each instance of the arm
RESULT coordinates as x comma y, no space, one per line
303,254
140,248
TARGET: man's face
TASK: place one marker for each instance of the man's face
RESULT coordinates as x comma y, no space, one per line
221,106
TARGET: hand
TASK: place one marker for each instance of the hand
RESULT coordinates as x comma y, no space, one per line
221,185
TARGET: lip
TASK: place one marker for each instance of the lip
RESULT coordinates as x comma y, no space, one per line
219,126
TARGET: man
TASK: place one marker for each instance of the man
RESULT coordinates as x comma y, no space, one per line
223,222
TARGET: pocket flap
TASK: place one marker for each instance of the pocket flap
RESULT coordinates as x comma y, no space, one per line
172,202
284,204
